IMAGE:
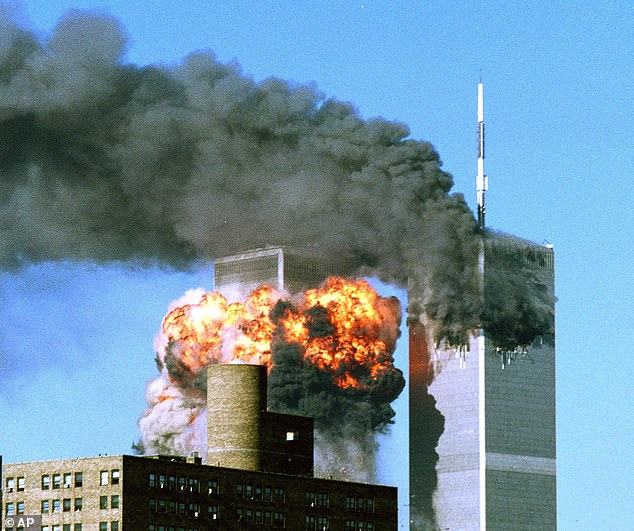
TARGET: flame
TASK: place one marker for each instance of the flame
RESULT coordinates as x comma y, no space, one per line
343,328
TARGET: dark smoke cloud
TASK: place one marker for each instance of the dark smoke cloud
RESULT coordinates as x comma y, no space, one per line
102,160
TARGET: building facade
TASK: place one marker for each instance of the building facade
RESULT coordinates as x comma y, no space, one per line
263,478
482,423
169,493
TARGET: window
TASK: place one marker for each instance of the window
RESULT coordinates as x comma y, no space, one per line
103,526
57,481
10,484
181,508
309,524
152,504
292,436
152,480
323,499
46,528
278,494
20,484
258,517
115,477
322,523
194,510
360,505
248,491
162,506
350,503
171,482
79,503
103,480
240,490
193,485
278,520
79,480
258,492
10,509
369,505
212,486
46,482
161,481
369,526
78,527
66,527
181,483
268,517
114,501
361,525
350,525
46,506
114,526
171,507
309,499
103,502
212,512
68,480
66,504
57,527
20,506
56,506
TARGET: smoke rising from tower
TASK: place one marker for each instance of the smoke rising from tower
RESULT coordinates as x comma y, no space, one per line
103,161
107,161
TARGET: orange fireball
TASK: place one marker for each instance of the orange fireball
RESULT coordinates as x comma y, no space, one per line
343,328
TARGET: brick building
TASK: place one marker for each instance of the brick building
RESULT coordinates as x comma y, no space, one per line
261,479
168,493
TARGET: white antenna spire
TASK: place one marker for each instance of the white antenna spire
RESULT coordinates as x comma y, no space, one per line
482,181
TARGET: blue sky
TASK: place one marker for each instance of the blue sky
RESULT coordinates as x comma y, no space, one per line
560,152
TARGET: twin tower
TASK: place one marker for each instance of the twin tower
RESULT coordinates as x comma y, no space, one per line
482,441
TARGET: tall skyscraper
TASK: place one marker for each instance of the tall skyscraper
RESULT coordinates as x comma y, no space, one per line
482,421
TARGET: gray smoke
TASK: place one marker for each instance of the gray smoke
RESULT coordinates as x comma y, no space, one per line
102,160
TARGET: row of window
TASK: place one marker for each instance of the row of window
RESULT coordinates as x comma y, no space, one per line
115,475
163,481
260,493
66,505
11,484
114,502
359,504
103,526
274,518
320,499
47,506
359,525
172,507
316,523
65,480
242,490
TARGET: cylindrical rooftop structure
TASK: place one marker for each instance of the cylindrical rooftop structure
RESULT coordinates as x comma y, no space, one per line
236,400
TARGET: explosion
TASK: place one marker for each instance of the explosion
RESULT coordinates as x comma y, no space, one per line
328,349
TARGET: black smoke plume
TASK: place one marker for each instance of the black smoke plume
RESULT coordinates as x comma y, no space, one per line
102,160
